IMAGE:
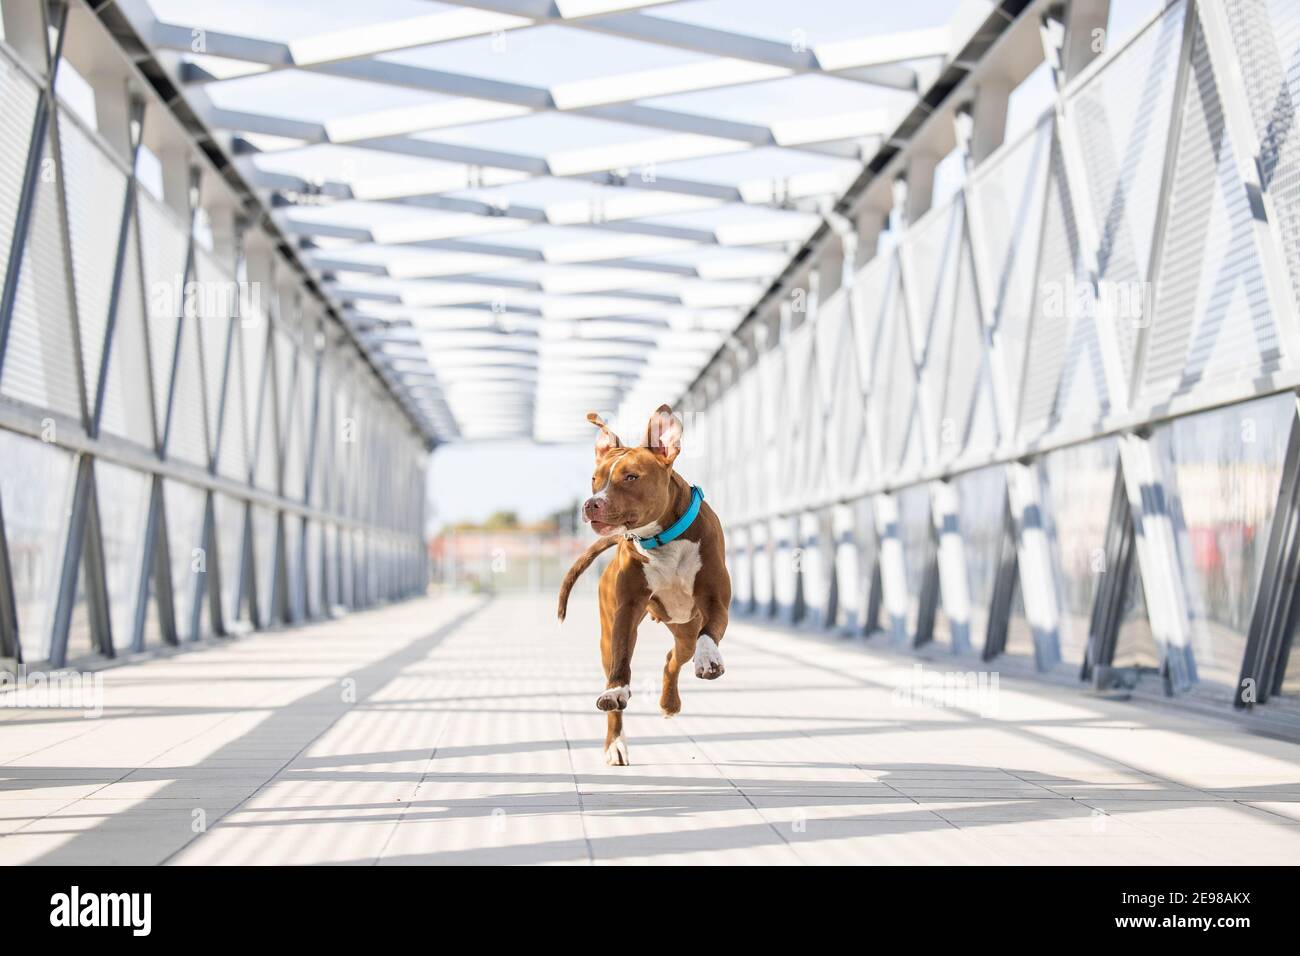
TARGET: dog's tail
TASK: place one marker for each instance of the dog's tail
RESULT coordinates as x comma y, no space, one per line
575,572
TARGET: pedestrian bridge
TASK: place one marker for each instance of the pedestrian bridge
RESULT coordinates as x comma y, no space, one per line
464,730
982,316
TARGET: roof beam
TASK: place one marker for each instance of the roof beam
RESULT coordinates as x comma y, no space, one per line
558,341
759,191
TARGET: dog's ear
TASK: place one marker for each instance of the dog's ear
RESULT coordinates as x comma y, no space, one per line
663,434
606,439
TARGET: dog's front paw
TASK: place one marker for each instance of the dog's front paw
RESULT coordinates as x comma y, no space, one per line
615,698
708,659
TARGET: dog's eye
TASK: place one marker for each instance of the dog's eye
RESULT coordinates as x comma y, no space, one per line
629,477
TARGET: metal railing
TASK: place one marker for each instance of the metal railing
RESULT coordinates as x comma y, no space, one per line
189,444
1054,417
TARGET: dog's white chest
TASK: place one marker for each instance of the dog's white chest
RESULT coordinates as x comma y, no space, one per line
670,575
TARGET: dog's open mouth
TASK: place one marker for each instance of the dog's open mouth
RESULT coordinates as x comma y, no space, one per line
601,528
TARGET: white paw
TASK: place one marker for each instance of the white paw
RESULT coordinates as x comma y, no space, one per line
708,659
615,698
616,753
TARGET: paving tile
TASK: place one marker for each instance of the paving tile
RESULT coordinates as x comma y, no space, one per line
1284,810
921,792
977,810
1026,848
66,790
18,814
1180,812
541,836
889,843
673,835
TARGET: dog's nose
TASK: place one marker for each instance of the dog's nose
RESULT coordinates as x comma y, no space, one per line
593,507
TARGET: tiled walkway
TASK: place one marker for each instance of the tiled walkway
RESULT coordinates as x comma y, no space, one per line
454,731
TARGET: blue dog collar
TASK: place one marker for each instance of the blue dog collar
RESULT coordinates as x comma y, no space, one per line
676,529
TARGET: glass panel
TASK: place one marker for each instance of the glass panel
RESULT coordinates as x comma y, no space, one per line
153,626
332,595
1020,635
264,561
127,409
1135,646
358,570
1125,19
123,499
982,524
1226,466
855,560
372,570
295,471
80,640
261,407
96,188
229,514
40,361
187,439
36,485
1290,685
345,567
313,553
1077,486
1031,98
232,456
19,95
760,563
162,254
916,533
361,566
738,567
293,564
185,506
941,628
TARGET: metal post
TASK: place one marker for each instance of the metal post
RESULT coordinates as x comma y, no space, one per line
72,545
9,646
96,574
164,587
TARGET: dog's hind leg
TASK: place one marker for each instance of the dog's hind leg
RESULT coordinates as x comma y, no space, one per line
683,650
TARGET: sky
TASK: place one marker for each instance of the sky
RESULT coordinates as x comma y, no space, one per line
468,482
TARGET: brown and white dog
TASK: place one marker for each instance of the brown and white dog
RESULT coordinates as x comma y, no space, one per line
682,583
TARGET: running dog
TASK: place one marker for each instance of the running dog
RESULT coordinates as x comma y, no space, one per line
670,564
